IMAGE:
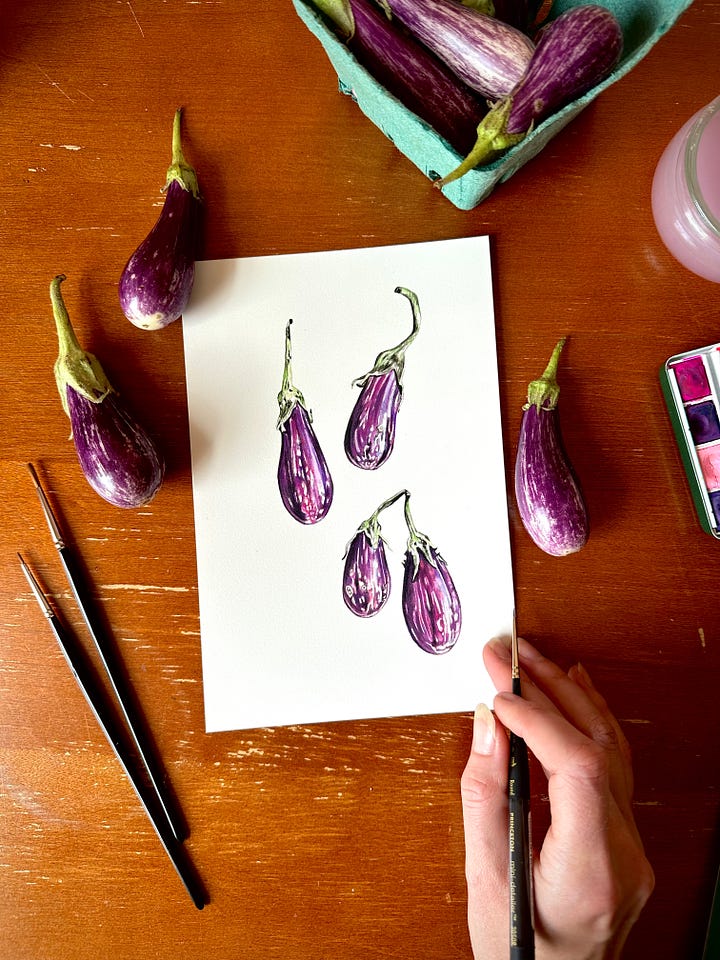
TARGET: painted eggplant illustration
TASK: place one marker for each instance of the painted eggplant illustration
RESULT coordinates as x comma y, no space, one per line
430,602
306,487
370,433
366,577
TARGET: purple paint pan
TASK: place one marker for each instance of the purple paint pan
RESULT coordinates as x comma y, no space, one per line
691,385
692,378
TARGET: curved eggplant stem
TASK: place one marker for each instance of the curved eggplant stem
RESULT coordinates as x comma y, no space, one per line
394,358
74,366
545,391
388,503
417,542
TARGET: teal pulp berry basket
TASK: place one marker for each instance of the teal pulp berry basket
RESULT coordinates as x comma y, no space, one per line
642,23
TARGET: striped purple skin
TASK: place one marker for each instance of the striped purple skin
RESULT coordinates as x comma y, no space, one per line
574,53
548,496
118,458
366,578
415,77
306,487
370,433
157,280
430,602
488,55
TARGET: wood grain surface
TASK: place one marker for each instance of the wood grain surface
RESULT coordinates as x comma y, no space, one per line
338,841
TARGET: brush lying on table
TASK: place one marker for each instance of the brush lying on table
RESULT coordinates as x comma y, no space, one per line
136,757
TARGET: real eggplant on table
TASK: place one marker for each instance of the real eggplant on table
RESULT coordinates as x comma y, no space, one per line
370,432
430,601
156,283
366,576
408,70
304,480
117,457
574,53
489,56
548,495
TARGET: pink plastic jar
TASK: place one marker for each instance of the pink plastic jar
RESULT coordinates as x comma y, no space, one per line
686,193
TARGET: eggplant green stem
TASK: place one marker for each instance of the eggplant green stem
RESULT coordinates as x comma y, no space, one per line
340,12
417,542
545,391
289,396
394,358
180,169
74,366
371,527
492,139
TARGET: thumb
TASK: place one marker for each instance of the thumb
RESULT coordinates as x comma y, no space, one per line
485,807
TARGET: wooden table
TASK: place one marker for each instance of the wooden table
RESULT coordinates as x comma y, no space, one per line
337,840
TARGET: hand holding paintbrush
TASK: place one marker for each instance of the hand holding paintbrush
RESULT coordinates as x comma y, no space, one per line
591,877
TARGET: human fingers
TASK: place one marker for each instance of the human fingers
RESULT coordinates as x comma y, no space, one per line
576,766
575,697
485,811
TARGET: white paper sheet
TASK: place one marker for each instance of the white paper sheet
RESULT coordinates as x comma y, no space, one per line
279,646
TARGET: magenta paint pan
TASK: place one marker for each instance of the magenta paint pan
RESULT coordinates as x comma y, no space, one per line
691,385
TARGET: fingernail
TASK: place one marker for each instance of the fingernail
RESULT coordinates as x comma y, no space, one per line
483,731
500,646
584,677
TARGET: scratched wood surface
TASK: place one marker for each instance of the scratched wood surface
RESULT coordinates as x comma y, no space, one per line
337,840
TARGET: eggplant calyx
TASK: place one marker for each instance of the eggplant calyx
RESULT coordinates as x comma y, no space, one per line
340,12
418,543
289,396
179,169
492,139
483,6
74,366
544,392
394,358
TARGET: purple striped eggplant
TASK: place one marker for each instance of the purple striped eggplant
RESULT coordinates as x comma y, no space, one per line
306,487
408,70
489,56
117,457
430,602
574,53
370,433
366,577
157,280
548,495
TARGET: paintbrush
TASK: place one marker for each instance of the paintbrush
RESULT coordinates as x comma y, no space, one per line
522,934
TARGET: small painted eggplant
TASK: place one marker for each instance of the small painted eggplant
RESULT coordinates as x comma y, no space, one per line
306,487
366,577
157,280
370,433
575,51
118,458
548,495
430,602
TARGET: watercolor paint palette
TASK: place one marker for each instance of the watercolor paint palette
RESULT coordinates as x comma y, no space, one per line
691,384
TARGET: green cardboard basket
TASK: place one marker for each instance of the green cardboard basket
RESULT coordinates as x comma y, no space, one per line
643,22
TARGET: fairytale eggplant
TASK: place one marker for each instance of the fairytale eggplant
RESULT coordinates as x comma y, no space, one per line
573,54
370,433
366,577
118,458
157,280
548,495
491,57
408,70
306,487
430,602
